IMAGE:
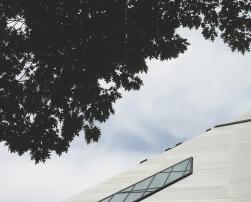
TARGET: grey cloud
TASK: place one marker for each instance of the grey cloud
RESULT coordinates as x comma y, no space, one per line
152,139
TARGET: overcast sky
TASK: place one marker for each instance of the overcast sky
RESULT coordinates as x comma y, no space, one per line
180,99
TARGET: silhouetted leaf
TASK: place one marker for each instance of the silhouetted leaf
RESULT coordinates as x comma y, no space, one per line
63,62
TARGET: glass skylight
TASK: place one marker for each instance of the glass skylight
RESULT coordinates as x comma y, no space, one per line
153,184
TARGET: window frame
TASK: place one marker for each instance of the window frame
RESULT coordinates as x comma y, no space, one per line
190,160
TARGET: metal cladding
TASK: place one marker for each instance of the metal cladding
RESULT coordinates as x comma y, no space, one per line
220,171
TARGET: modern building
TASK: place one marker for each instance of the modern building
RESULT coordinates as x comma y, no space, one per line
213,167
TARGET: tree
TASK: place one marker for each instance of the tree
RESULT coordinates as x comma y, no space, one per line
56,55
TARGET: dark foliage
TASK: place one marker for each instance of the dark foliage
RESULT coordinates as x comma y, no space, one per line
55,55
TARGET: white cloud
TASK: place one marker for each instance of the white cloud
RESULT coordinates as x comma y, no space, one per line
180,98
60,177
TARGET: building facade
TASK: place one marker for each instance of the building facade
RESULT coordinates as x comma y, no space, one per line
213,167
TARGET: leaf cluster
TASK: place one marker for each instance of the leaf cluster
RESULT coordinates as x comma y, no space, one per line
55,55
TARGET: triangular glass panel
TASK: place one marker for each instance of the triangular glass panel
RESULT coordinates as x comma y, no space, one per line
159,180
143,184
167,170
148,192
181,166
133,197
174,176
187,172
188,166
119,197
127,189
